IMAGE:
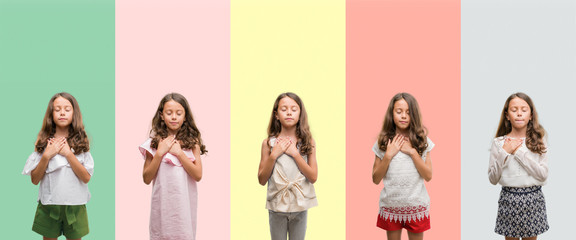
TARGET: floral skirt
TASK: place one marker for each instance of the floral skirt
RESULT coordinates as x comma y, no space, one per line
521,212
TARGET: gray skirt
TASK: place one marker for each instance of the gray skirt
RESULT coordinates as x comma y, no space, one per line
521,212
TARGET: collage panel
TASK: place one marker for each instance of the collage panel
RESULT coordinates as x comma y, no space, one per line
178,47
298,48
532,52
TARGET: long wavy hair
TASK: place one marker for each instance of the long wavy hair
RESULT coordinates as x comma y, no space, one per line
302,128
77,138
417,131
534,131
188,133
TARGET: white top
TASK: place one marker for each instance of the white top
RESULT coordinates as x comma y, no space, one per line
288,189
60,185
404,197
524,168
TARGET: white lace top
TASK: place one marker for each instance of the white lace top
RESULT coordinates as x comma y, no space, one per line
404,197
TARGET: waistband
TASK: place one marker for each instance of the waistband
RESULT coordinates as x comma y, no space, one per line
522,190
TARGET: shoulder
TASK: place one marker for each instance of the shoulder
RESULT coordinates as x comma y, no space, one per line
499,139
146,143
313,142
430,145
376,149
268,142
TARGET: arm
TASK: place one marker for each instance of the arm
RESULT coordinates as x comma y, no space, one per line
152,163
308,169
535,164
194,169
76,166
424,167
52,148
38,173
498,158
267,161
380,168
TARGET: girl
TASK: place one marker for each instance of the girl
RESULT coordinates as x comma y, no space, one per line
63,166
403,162
288,164
518,162
172,160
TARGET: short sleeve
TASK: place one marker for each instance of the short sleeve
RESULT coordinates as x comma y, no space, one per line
376,149
428,149
145,147
31,163
87,161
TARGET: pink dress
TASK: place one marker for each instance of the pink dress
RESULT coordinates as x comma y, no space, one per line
174,199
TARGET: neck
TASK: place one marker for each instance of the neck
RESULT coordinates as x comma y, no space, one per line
288,131
172,132
517,133
61,132
403,132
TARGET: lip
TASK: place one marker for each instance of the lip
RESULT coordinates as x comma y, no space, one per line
174,123
404,122
289,119
62,119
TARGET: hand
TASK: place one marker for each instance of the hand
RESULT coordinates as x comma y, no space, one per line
394,145
165,145
65,150
292,150
176,148
280,146
407,147
53,147
511,145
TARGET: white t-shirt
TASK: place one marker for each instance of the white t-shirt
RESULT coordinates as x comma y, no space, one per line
60,185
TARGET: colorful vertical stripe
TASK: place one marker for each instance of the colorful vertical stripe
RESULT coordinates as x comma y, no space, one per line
163,47
46,48
296,46
402,46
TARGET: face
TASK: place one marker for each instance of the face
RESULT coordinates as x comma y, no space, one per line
173,116
63,112
519,113
288,112
401,114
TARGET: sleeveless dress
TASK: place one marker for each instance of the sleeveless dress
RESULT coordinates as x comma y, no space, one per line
288,189
174,199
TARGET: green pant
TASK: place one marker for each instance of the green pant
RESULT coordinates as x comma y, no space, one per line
54,220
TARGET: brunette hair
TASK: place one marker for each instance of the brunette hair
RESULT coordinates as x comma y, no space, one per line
77,138
302,128
417,132
188,133
534,132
